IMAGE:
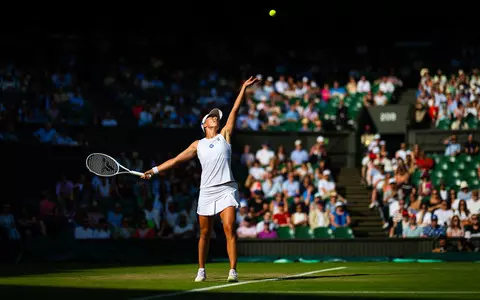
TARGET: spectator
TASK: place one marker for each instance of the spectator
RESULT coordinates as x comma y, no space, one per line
299,218
424,217
102,232
464,193
471,147
267,221
463,212
256,171
412,230
267,232
386,86
242,213
473,230
299,155
292,115
455,229
281,155
258,206
264,155
84,231
152,215
363,85
339,217
318,215
247,229
352,86
337,90
325,186
29,226
64,190
143,231
473,204
453,148
115,217
7,223
282,217
269,187
46,135
342,114
247,157
380,99
434,229
444,215
184,228
291,186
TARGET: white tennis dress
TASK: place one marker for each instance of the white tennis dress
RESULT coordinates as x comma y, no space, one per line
218,189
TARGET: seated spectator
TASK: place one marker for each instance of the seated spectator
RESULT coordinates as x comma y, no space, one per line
318,216
425,186
444,214
412,230
338,91
471,147
424,217
267,232
399,220
299,218
474,229
455,229
421,118
291,187
143,231
94,214
114,218
464,193
47,134
386,86
247,157
463,212
282,217
247,229
292,115
325,186
299,155
271,188
258,206
352,86
102,232
7,223
125,231
264,155
380,99
152,215
453,147
109,121
342,114
267,220
256,171
363,85
434,229
84,231
242,212
184,228
443,246
64,190
339,217
473,204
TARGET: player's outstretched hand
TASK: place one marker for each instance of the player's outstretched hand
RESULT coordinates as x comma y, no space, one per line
147,175
250,81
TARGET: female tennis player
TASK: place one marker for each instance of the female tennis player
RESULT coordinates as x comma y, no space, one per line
218,189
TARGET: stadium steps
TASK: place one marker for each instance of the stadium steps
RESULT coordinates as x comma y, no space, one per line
408,97
365,222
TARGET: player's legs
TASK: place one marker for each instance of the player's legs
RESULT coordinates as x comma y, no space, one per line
206,227
228,216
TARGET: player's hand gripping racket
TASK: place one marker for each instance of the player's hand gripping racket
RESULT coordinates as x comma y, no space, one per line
104,165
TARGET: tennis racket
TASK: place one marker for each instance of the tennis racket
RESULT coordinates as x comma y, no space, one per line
106,166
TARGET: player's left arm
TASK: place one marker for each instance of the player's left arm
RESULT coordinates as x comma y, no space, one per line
232,118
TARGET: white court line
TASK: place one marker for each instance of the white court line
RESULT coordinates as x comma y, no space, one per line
216,287
368,292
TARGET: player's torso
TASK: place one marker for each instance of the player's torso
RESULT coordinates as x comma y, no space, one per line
213,149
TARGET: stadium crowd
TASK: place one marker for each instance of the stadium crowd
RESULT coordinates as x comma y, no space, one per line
419,195
284,195
448,102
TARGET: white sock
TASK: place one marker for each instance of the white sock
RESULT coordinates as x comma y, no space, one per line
201,269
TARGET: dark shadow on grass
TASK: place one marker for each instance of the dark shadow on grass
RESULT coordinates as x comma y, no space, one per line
54,293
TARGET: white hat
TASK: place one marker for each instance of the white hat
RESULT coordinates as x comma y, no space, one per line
463,185
338,204
298,142
320,139
317,194
377,137
326,172
305,79
215,112
313,84
376,150
382,142
243,204
270,78
391,180
259,76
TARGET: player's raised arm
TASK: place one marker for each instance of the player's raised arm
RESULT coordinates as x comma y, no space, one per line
232,118
184,156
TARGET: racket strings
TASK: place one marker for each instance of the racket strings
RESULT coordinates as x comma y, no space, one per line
102,165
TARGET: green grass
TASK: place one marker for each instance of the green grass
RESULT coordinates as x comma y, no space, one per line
356,281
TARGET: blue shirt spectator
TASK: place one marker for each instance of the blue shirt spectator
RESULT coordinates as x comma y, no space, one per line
291,186
433,230
299,155
46,134
292,114
453,148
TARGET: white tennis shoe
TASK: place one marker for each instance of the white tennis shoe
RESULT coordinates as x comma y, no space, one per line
201,275
232,276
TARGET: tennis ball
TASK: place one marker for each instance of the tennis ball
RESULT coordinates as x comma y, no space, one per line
272,13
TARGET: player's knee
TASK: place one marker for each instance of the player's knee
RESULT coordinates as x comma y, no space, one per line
229,230
204,233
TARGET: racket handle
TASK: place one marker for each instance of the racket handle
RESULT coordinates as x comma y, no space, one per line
136,173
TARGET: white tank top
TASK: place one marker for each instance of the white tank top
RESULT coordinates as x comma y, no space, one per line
215,157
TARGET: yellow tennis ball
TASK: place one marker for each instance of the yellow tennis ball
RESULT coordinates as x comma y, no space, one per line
272,13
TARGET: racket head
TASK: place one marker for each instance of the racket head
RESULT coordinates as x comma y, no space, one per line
102,165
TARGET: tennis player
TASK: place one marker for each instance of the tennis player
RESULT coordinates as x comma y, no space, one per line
218,189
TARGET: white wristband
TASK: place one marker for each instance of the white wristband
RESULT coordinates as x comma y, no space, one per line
155,170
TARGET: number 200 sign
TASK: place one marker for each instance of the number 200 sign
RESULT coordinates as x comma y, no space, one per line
388,117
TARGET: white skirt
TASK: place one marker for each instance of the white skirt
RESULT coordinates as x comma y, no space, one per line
213,200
